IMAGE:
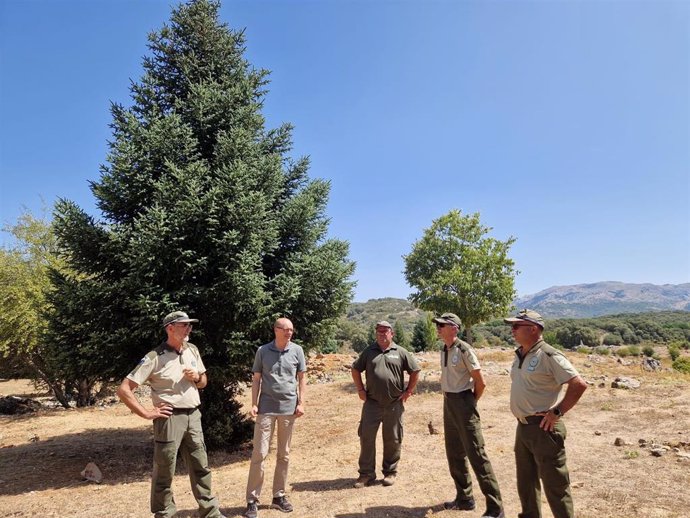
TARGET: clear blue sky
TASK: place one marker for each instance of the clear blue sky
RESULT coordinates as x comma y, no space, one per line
565,124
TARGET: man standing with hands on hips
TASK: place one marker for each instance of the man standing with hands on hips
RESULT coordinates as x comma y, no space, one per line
175,372
463,384
384,364
538,373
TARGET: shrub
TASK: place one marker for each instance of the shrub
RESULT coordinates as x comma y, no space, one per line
583,349
682,365
602,350
612,339
648,351
634,350
623,352
673,351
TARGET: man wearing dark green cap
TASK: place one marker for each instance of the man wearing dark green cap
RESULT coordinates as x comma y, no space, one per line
175,372
538,373
384,364
463,384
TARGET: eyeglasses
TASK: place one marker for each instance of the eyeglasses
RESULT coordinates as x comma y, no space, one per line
515,326
183,324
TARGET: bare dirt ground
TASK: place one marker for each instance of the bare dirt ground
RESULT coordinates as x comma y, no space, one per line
42,454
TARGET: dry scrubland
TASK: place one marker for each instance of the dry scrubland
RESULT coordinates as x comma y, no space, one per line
41,477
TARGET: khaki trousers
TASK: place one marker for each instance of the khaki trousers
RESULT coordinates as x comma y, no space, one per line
263,434
541,455
373,415
464,440
180,431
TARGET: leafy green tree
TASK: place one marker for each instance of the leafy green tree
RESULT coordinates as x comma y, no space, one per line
24,288
205,211
424,336
455,267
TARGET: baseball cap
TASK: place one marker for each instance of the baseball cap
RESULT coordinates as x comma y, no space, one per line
384,323
449,318
526,315
177,316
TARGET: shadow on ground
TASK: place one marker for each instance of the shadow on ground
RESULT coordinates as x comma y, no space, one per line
324,485
386,511
123,456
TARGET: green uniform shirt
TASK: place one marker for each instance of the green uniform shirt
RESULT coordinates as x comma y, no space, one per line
385,371
162,370
537,379
457,361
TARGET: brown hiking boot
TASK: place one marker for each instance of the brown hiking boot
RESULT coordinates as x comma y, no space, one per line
389,480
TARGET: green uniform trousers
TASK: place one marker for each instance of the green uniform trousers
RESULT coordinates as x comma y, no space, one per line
462,428
541,455
374,414
181,431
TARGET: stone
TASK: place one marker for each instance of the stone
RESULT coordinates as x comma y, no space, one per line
657,452
597,432
92,473
651,364
625,383
620,442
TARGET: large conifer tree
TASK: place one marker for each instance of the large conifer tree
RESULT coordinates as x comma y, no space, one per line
203,210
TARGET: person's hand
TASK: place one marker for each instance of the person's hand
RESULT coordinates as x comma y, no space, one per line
255,410
299,411
548,423
405,396
162,410
362,394
191,375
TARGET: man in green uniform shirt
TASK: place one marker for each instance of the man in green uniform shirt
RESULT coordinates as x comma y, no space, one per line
538,373
384,364
175,372
463,384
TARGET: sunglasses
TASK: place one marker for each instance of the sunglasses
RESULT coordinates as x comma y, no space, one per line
515,326
441,325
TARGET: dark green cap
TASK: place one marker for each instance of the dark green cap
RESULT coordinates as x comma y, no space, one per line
526,315
177,316
449,318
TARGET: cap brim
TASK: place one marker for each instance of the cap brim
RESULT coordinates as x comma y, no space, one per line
514,320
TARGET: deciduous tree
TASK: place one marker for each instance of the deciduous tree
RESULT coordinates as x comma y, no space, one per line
456,267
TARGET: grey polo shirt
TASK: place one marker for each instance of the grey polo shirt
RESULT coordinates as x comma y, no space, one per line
279,370
384,371
537,379
457,361
162,370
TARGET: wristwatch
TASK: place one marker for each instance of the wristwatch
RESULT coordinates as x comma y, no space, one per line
557,411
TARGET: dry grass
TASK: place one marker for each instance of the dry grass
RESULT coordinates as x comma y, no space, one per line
42,478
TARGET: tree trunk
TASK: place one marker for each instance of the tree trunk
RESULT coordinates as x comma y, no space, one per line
468,335
36,363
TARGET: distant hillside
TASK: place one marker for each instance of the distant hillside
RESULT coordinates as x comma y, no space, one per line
391,309
607,298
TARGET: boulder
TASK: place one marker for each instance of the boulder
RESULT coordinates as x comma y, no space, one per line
625,383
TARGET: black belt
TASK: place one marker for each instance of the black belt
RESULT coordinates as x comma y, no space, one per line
184,410
530,419
457,395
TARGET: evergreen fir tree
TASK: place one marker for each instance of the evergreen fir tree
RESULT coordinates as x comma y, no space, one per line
203,211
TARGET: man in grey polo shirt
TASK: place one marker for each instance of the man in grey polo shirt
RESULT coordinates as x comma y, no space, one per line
175,372
538,373
463,384
278,388
384,364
